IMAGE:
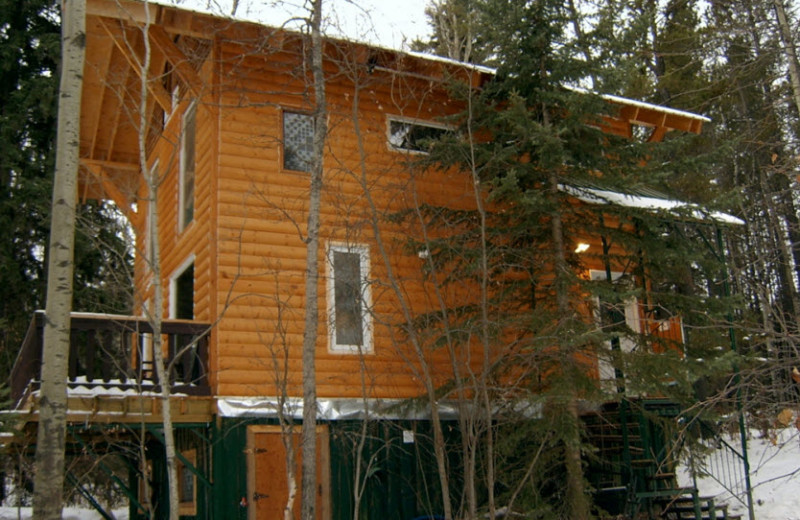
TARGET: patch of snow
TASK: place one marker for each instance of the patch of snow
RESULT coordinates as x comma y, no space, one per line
643,104
597,196
774,476
69,513
82,387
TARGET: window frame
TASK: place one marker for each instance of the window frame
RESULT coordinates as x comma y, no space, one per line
186,198
284,140
630,311
366,346
411,122
173,286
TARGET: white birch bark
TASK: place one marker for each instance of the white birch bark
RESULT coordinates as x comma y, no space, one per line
49,478
311,330
153,181
791,50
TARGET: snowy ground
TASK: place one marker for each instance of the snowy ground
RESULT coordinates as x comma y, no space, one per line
70,513
775,476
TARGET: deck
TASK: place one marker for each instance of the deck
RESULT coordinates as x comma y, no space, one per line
111,366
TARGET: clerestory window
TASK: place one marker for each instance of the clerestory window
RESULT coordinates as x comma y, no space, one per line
187,167
413,135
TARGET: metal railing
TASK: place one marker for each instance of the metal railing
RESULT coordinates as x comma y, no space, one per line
727,467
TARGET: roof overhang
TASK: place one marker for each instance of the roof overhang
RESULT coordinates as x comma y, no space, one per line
675,208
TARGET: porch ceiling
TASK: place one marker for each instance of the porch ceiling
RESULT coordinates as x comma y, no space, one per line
112,110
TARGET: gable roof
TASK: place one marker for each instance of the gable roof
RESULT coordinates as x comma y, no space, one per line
112,82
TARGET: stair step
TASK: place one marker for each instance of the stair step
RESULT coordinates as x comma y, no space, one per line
682,508
619,449
662,476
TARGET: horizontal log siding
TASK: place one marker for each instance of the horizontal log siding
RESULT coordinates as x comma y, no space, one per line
196,239
262,212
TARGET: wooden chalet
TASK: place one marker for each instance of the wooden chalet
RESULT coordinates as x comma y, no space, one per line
227,107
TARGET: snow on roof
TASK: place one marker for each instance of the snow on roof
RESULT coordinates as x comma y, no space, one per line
678,208
642,104
440,59
666,110
340,409
82,387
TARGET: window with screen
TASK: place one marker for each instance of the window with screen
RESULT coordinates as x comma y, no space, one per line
298,141
349,299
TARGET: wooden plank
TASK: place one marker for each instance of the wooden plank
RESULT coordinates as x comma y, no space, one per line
131,409
123,42
123,201
177,59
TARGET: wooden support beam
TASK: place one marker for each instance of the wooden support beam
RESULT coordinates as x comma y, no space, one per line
123,201
176,58
105,60
125,44
123,10
114,165
658,134
128,409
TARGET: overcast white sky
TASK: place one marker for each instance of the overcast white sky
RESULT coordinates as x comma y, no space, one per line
389,23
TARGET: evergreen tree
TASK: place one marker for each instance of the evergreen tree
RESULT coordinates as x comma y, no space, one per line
29,50
532,144
29,59
758,131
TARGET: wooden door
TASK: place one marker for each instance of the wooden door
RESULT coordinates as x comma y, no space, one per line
266,473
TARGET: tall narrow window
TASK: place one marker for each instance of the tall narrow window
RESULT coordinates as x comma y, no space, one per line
187,167
619,318
183,294
349,323
298,141
186,365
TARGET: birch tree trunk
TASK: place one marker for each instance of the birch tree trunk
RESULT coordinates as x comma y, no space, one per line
153,181
49,479
311,331
791,51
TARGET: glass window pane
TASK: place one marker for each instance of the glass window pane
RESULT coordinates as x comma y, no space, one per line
188,165
184,297
298,141
415,137
347,296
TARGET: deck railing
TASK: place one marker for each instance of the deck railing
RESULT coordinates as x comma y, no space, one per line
115,352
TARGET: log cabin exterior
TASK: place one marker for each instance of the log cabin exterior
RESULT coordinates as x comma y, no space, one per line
227,106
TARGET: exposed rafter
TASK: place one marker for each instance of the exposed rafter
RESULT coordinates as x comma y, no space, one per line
125,44
176,58
124,201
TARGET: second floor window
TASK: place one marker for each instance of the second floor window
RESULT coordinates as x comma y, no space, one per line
183,293
413,136
298,141
349,321
187,167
